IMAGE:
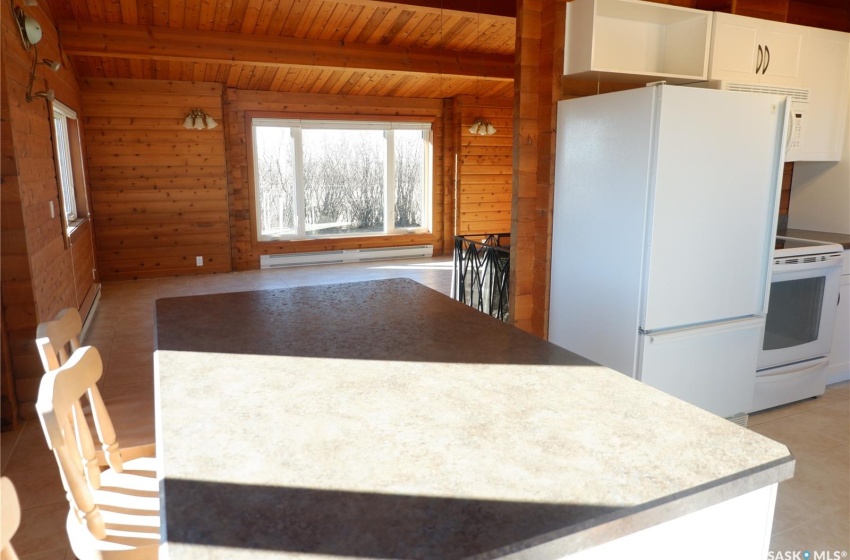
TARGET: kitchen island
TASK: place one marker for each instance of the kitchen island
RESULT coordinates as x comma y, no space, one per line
384,420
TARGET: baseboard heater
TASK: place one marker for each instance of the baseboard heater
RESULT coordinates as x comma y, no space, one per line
345,256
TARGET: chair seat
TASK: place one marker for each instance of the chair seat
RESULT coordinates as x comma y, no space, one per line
129,536
129,504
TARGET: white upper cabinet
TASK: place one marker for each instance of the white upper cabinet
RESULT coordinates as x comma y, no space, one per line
756,51
636,41
825,71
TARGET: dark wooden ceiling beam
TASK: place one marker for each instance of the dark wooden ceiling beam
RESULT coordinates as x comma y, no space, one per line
79,38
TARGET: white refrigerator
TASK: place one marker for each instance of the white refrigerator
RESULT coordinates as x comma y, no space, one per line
665,207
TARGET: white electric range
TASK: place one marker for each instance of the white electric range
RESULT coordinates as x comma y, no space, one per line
804,296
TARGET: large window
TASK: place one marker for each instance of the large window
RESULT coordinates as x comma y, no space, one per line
333,178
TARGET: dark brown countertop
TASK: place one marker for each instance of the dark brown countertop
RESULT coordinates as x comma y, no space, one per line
842,239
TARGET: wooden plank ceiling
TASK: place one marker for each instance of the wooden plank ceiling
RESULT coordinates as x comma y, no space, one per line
412,48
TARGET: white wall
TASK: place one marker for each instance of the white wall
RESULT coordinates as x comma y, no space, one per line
820,193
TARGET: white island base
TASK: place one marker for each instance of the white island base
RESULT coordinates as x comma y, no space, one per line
737,528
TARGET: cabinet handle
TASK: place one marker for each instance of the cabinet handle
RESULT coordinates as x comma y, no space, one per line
767,59
758,64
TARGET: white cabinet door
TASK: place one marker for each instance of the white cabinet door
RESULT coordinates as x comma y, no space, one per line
734,49
839,357
782,44
713,368
824,71
755,51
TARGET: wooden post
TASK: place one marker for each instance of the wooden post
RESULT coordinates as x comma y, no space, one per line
537,89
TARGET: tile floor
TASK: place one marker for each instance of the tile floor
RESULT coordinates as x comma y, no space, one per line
812,512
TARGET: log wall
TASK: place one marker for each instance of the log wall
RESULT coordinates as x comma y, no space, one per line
159,194
239,108
484,166
38,276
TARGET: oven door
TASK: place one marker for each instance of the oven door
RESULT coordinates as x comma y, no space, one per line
801,312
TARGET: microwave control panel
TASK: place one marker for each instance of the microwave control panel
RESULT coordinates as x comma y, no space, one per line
796,133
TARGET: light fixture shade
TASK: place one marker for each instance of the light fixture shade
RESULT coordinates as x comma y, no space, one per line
32,29
490,129
199,123
474,128
187,123
210,122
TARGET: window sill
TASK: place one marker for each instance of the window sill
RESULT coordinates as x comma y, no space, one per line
345,238
72,226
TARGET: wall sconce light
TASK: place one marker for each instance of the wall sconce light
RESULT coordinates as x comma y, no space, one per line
199,120
28,26
30,31
55,66
482,127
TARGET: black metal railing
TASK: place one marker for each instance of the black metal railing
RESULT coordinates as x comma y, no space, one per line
480,277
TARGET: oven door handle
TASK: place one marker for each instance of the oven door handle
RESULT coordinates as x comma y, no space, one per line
791,371
823,265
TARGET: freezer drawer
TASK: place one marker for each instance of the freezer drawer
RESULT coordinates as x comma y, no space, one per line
712,367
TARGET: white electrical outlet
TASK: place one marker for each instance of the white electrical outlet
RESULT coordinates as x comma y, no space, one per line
199,261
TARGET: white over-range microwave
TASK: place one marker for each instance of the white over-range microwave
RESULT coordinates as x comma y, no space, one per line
797,339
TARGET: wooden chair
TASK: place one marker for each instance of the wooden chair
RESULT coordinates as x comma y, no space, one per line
10,519
56,341
114,512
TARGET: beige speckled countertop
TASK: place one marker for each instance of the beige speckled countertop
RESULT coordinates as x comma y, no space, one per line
384,420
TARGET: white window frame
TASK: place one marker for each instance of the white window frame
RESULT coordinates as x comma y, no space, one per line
61,114
297,125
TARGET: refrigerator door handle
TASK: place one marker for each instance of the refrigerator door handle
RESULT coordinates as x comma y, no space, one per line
728,326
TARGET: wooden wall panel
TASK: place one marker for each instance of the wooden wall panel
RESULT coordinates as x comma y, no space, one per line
37,273
240,105
485,167
8,396
826,14
159,192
